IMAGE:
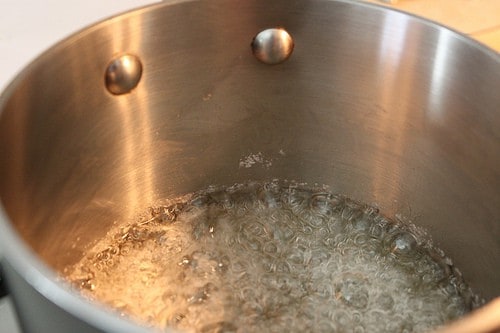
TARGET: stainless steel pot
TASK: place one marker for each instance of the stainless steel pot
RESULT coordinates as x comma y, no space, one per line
382,106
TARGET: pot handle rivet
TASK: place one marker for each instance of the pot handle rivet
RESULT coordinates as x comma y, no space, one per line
123,74
272,46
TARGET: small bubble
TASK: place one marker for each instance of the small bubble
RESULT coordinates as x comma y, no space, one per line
247,293
207,97
362,223
283,267
86,284
385,302
166,214
270,248
376,230
358,329
403,243
254,228
296,198
177,318
343,319
287,233
223,264
202,294
186,260
314,221
325,290
239,266
330,242
161,239
361,239
351,212
352,292
252,243
319,256
296,257
98,266
321,203
199,201
269,195
221,197
325,326
307,230
211,230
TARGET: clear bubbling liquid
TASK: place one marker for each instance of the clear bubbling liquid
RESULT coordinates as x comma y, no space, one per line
269,257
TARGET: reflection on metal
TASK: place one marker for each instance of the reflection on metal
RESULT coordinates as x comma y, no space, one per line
135,151
272,46
394,90
123,74
393,40
439,81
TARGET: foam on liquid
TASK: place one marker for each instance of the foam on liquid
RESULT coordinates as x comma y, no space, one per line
273,258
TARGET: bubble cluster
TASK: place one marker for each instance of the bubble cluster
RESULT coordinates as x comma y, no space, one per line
273,257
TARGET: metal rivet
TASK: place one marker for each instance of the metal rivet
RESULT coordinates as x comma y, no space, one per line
123,74
272,46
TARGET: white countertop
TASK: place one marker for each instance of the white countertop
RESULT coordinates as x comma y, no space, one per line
29,27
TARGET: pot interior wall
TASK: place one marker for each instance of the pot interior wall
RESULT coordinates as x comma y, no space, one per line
382,107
